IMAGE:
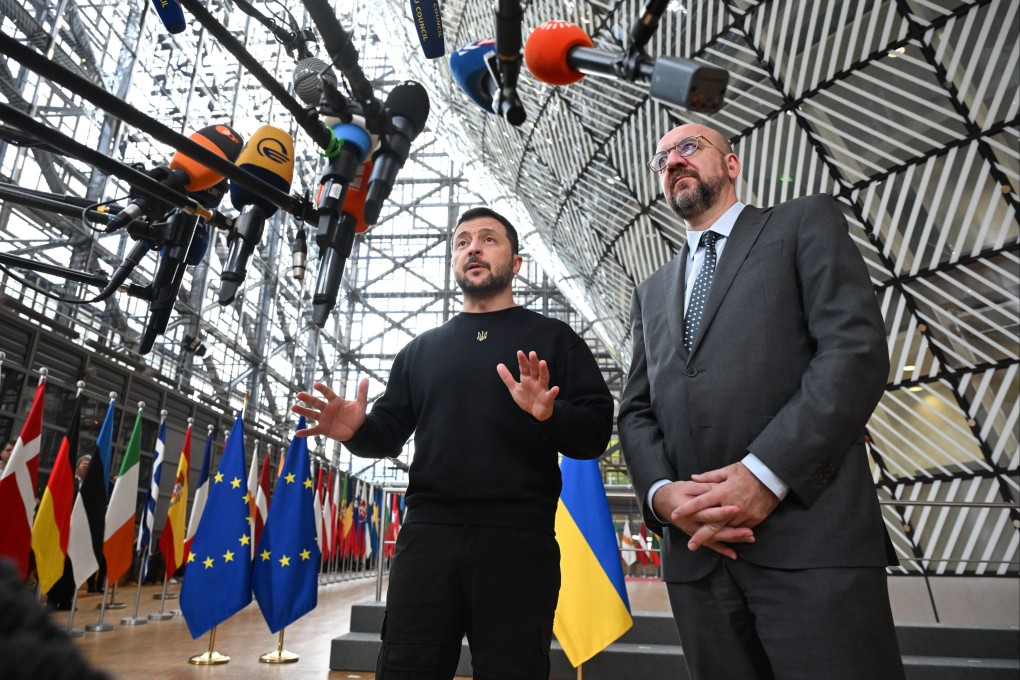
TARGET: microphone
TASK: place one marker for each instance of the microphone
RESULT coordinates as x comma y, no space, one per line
308,76
183,174
334,254
269,155
428,22
299,250
509,16
560,53
468,66
408,105
171,14
168,277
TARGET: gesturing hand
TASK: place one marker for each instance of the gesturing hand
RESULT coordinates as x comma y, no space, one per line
532,393
336,418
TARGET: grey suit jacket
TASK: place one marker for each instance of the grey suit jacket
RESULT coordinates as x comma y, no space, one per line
789,363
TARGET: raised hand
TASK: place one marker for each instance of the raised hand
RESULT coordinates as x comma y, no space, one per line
335,417
532,393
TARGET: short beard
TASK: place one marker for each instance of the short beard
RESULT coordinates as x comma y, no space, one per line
694,202
498,280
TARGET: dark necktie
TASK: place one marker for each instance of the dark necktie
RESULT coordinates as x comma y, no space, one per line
700,292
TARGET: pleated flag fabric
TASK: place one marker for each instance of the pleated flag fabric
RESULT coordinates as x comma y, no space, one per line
17,487
171,541
119,528
217,582
285,578
593,609
52,527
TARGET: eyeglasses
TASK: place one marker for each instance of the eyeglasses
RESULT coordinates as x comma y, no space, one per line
684,148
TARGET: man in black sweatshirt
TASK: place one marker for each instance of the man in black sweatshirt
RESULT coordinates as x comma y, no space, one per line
477,553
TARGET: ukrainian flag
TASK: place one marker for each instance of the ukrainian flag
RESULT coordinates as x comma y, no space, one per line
593,609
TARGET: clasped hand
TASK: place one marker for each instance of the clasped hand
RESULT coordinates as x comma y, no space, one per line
717,507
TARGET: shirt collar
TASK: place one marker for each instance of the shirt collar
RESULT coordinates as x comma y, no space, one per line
723,226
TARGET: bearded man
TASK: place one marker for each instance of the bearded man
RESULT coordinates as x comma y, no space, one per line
491,397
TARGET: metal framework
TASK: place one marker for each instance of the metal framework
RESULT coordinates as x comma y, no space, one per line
906,110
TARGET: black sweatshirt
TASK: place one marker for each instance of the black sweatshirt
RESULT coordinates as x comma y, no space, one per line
478,458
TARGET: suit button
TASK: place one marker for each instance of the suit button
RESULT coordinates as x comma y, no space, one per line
691,372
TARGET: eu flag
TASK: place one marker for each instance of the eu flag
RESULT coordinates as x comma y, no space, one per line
217,582
286,571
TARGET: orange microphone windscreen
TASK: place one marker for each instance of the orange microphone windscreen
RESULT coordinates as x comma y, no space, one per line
222,140
545,52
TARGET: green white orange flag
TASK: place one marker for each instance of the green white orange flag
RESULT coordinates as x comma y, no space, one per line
119,533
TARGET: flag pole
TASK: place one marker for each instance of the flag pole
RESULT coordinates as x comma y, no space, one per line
134,619
161,616
281,655
99,626
71,630
212,657
113,604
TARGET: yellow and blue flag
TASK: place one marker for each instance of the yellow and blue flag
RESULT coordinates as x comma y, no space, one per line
286,572
593,609
217,582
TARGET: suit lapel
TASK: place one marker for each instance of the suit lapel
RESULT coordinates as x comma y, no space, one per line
676,273
738,244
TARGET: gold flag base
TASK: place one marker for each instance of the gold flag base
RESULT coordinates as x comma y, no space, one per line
279,656
212,657
209,659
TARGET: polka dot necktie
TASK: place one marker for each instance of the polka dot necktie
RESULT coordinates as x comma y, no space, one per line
700,293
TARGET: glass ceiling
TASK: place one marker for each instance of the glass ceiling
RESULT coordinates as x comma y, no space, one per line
907,112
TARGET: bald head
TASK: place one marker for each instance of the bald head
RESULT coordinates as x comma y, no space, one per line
699,186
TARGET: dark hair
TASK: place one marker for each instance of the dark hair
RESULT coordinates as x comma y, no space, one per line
511,233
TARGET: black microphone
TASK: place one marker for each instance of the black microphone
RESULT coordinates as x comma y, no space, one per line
308,77
168,277
183,173
139,250
408,106
269,155
560,53
508,103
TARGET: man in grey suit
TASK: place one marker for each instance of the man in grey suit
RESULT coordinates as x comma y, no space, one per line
759,355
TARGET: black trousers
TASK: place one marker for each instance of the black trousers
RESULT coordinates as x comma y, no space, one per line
748,622
498,586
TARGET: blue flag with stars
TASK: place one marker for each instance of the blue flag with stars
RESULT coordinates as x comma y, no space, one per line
286,571
217,582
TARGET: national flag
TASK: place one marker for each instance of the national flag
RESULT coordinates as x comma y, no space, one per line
144,546
650,546
201,495
119,531
593,609
327,516
372,522
394,527
262,498
85,546
642,548
251,498
627,544
285,578
171,540
52,527
335,515
318,510
17,487
348,521
217,583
